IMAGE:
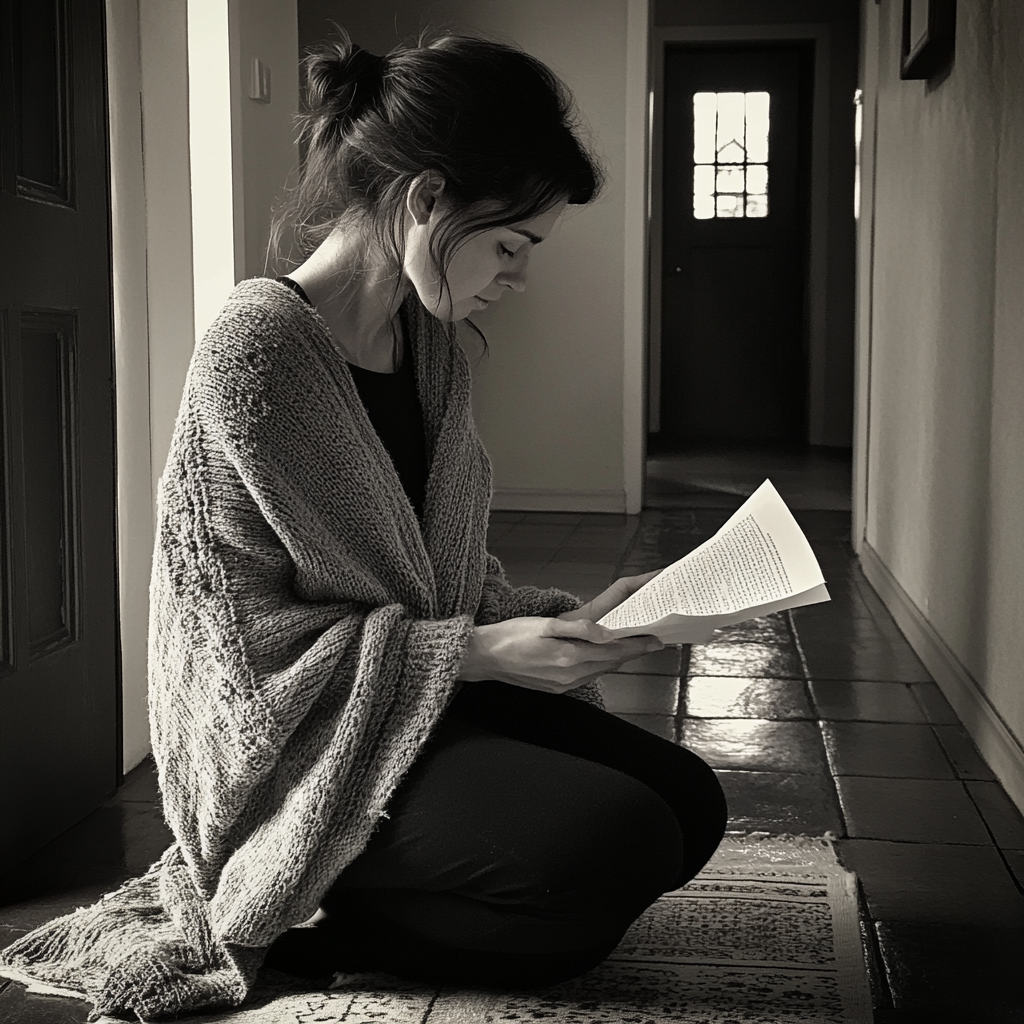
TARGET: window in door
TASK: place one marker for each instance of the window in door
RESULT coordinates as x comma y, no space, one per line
730,154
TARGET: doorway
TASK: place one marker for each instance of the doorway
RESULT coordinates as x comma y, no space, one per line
731,298
734,241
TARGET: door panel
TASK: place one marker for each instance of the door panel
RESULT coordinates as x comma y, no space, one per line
51,455
733,335
59,676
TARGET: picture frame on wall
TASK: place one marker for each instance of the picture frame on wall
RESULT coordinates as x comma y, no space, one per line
929,37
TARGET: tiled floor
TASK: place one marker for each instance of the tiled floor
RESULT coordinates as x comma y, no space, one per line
721,474
819,721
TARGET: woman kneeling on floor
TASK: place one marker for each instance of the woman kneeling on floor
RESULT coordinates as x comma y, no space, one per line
374,753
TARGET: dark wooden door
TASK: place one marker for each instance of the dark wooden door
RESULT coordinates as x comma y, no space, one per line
59,662
732,335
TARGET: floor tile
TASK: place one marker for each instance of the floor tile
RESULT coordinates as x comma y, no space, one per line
731,697
566,519
93,857
530,534
587,555
751,660
640,694
845,616
666,662
778,802
971,971
503,516
535,554
57,899
865,701
617,537
934,883
755,744
894,750
140,783
522,574
495,531
1002,817
910,810
838,658
16,1005
962,753
1015,861
661,725
936,708
772,630
8,934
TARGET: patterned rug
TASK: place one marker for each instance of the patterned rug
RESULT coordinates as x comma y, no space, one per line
766,934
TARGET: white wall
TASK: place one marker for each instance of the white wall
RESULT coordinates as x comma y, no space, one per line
265,132
152,269
131,359
945,474
243,150
549,399
155,167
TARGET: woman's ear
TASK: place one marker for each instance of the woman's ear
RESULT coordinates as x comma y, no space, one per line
423,194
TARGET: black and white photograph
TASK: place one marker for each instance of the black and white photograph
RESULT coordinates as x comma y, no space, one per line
511,511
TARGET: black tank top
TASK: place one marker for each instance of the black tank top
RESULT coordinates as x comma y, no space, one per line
393,406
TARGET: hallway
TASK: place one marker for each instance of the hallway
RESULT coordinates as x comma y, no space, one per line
823,722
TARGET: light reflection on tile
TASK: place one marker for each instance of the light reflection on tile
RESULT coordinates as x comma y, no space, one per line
755,744
750,660
729,697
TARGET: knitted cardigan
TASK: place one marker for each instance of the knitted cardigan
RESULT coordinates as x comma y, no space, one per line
305,638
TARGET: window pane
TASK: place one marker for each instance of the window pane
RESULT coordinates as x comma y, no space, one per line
757,126
757,206
730,153
729,206
757,179
730,179
730,136
705,108
703,207
703,180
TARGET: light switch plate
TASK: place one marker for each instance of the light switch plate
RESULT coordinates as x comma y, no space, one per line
259,81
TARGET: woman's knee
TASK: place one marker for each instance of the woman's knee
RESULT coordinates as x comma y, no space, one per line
627,846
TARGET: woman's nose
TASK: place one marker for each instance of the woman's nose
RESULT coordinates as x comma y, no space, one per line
514,277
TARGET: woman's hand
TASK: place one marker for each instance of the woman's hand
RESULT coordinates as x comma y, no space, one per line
553,655
610,598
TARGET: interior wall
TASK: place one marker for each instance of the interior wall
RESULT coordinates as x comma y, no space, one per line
243,149
131,362
265,132
945,477
549,396
830,419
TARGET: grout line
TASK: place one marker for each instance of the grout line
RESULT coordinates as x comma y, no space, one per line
1002,855
799,646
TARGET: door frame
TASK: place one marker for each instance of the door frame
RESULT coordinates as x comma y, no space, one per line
819,36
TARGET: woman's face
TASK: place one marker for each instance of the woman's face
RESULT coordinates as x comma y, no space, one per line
483,267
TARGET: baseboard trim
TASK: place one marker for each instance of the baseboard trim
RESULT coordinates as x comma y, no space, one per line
1000,748
528,499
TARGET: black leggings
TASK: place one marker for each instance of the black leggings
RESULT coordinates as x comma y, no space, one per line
531,831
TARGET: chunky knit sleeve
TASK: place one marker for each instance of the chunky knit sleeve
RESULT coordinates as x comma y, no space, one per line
500,600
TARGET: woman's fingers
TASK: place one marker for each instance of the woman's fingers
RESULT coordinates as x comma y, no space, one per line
578,629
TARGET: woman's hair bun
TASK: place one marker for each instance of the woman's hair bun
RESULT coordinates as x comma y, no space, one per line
342,79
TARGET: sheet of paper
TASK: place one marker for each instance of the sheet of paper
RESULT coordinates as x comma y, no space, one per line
759,561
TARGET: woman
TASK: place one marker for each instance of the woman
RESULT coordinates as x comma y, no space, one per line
368,745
